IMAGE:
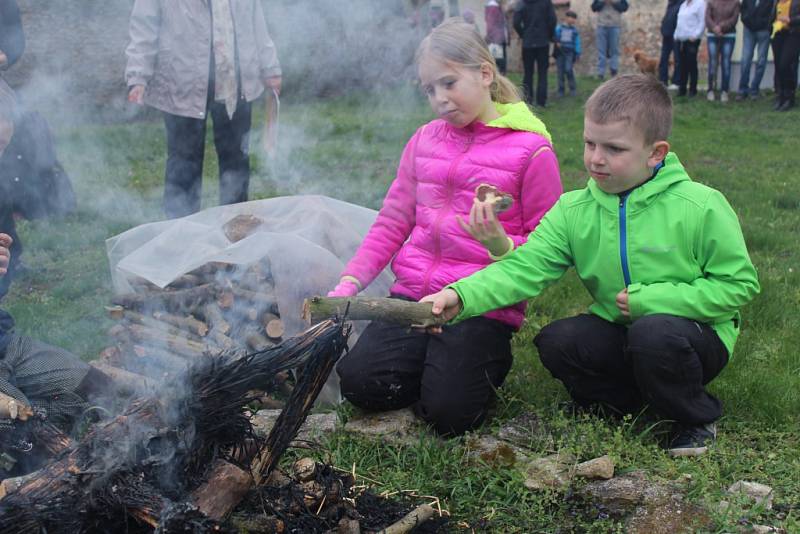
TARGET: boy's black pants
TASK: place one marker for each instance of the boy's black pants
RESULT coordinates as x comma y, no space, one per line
449,379
687,66
661,360
186,142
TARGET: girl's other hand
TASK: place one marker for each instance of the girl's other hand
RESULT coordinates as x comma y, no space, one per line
484,226
345,288
446,304
622,302
136,95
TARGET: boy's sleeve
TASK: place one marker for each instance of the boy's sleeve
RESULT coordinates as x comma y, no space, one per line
521,275
621,6
728,282
541,187
267,53
597,5
577,43
393,225
144,29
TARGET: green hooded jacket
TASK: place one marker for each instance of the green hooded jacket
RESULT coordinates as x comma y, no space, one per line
674,243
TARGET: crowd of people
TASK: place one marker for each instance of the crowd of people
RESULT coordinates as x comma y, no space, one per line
666,296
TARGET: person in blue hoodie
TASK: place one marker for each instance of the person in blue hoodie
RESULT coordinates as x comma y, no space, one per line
567,51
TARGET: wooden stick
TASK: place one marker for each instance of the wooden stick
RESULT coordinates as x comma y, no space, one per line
157,324
189,323
180,345
213,315
410,521
273,326
264,300
11,408
10,485
173,300
224,488
125,380
397,311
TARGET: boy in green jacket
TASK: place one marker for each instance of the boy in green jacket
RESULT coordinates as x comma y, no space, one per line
662,256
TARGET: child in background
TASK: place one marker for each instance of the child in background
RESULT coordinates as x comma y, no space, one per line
568,51
483,135
662,256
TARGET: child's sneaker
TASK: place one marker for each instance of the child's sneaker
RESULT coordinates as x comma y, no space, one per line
710,96
692,440
723,96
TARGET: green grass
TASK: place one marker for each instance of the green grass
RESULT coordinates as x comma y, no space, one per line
348,148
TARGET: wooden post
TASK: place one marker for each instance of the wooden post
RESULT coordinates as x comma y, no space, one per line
396,311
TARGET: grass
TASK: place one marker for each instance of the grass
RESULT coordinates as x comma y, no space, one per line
348,148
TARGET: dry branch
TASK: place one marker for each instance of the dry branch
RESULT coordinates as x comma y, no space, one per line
397,311
410,521
189,323
180,300
125,380
227,484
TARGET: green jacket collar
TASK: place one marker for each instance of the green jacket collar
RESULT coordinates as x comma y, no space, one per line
640,197
517,116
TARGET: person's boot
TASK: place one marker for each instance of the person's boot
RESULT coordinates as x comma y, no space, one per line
787,105
778,102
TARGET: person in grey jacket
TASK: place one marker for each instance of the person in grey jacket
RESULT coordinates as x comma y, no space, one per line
609,22
194,58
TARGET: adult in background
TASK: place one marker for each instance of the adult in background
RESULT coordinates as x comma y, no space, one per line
756,17
191,59
668,23
496,33
721,19
535,23
785,51
12,38
609,22
688,33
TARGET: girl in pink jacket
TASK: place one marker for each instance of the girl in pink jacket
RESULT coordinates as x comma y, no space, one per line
433,233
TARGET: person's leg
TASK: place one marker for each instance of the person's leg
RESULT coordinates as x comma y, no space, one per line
384,368
528,57
542,64
693,48
586,353
601,36
713,53
728,43
464,366
748,45
676,69
186,140
792,53
683,54
777,54
613,49
667,45
570,62
232,140
501,63
561,71
673,359
762,46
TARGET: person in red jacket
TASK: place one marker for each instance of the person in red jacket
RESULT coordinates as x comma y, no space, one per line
429,231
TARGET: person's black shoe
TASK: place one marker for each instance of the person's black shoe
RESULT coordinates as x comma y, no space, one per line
777,105
786,106
692,440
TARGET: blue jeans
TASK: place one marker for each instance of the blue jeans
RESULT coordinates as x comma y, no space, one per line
750,40
720,47
564,62
607,40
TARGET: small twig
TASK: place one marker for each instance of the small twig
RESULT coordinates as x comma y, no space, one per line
411,520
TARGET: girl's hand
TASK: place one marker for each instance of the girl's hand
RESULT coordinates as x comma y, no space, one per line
345,288
622,302
136,95
5,254
446,304
484,226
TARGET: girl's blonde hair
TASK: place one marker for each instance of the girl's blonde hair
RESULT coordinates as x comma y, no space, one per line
457,42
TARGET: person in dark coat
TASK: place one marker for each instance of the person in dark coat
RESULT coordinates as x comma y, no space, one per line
12,38
668,49
535,23
785,51
756,16
33,184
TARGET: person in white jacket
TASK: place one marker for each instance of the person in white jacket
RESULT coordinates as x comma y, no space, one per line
688,34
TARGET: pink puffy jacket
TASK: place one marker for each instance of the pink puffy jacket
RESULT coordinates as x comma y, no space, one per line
439,170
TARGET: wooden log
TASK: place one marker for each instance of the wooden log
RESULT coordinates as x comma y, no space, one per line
115,312
410,521
124,380
225,487
225,299
256,341
214,316
11,408
10,485
273,326
160,338
161,358
316,309
265,301
189,323
152,322
182,299
186,280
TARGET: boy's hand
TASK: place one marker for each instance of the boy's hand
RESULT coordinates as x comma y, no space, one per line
446,304
3,58
136,95
622,302
484,226
274,83
5,254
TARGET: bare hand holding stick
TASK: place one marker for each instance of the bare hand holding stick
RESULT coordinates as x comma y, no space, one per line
5,253
136,95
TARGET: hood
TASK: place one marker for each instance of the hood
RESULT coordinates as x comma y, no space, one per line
518,116
671,173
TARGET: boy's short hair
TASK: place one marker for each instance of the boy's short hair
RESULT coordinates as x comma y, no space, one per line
640,99
571,14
